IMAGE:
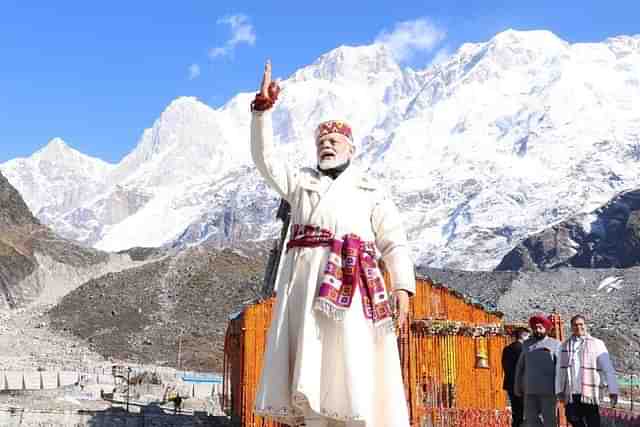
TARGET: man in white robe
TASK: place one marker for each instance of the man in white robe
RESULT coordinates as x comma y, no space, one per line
332,355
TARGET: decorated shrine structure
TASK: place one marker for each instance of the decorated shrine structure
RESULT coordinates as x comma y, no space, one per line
450,353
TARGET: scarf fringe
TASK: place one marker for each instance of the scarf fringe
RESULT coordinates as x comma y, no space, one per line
589,400
382,328
385,327
329,310
593,400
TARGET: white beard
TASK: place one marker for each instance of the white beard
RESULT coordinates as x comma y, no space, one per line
338,160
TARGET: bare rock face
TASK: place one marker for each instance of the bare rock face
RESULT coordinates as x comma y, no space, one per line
36,264
13,210
14,268
17,225
608,237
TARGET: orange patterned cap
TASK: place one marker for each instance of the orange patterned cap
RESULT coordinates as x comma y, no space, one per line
333,126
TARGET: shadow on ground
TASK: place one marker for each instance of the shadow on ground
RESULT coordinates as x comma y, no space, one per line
153,415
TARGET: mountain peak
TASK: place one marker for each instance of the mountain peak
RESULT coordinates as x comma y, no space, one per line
181,108
56,149
56,144
530,37
350,63
513,47
58,152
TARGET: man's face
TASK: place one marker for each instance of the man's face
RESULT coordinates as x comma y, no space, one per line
333,150
578,327
539,330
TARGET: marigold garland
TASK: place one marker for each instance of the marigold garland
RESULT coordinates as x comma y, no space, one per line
453,327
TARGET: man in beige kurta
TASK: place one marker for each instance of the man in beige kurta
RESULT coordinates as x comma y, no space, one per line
332,356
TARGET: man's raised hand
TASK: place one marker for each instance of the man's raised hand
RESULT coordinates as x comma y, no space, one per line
266,79
269,91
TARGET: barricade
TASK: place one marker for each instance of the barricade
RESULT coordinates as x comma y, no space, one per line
611,417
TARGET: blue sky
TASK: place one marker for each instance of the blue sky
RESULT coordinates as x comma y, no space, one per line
97,73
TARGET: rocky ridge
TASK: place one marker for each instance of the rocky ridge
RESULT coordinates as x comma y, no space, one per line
35,264
179,303
607,237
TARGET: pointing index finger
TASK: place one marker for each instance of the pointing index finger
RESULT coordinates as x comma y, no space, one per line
266,79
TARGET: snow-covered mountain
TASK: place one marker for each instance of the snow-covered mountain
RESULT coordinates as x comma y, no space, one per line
56,178
501,139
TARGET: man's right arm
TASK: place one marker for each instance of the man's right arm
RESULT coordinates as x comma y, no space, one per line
276,172
603,362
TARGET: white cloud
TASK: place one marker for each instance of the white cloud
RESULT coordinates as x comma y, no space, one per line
194,71
242,31
410,37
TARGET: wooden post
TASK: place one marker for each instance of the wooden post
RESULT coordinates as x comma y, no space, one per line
179,349
631,397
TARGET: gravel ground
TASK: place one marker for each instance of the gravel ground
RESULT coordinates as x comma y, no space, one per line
26,342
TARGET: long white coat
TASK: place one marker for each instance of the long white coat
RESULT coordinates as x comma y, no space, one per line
316,366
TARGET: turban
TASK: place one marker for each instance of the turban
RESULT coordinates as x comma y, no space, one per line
540,319
334,126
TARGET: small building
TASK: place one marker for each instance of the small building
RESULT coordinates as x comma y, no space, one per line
450,354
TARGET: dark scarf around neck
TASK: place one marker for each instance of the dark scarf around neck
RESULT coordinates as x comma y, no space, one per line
333,173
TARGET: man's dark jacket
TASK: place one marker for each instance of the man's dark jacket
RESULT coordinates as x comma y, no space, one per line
510,356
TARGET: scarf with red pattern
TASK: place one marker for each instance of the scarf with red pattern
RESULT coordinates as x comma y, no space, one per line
351,264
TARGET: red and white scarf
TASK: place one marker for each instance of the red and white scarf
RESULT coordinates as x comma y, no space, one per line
351,264
589,371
